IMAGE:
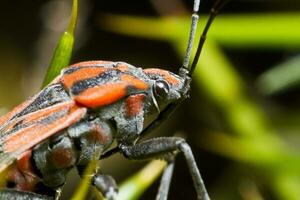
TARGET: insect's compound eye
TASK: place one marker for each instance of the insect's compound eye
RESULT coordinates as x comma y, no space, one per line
161,88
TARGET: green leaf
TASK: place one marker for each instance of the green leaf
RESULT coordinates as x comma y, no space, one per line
63,51
83,188
281,77
271,30
256,141
131,189
134,187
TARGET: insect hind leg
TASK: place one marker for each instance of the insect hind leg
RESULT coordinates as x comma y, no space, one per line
166,147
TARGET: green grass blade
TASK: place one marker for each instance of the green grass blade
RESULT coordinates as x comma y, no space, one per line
281,77
83,188
271,30
254,136
63,51
287,185
134,187
131,189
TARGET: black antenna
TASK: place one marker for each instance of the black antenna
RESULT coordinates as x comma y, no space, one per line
212,15
183,71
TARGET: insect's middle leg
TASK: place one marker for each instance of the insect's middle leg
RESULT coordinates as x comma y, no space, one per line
165,147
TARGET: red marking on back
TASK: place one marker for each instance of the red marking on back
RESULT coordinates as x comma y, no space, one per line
26,138
133,81
69,79
165,74
122,67
38,115
109,93
134,105
102,95
15,111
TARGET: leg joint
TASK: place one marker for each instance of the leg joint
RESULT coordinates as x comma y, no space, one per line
106,185
183,145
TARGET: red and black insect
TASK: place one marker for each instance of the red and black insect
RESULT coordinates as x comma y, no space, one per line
83,111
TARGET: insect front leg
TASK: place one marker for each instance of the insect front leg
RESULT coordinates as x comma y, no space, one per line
165,147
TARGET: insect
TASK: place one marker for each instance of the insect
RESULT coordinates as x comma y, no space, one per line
79,115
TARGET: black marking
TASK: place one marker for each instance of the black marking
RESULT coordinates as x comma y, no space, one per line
131,90
10,184
51,95
71,70
44,121
53,117
19,123
108,76
75,68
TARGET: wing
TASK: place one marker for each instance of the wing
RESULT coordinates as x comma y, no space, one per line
47,113
92,84
95,84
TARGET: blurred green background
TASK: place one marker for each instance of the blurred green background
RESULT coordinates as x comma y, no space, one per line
242,120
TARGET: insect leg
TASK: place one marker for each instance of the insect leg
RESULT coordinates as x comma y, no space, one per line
165,147
58,192
212,15
165,182
106,185
22,195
